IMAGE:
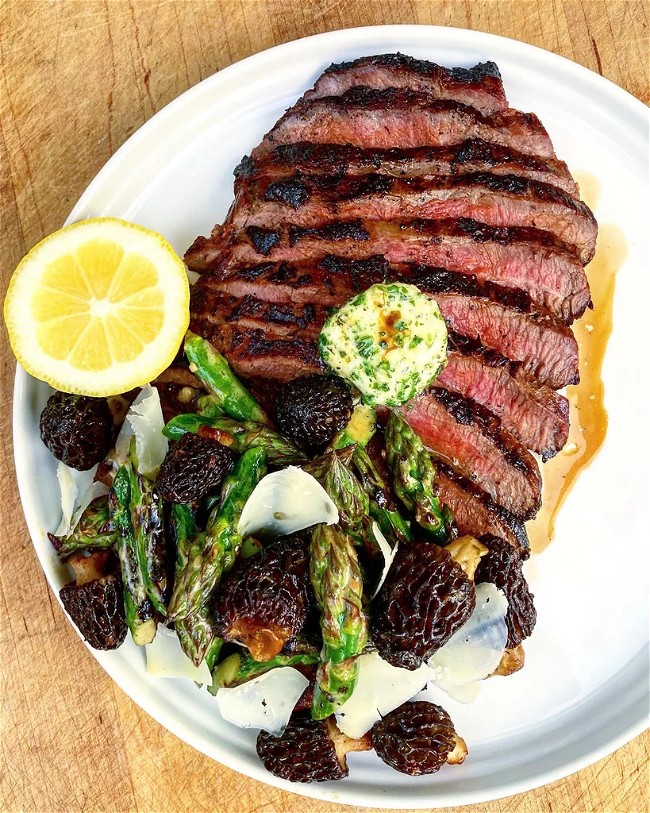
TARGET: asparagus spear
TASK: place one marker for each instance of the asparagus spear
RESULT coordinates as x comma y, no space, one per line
208,406
239,668
198,638
338,587
213,370
213,552
360,428
414,475
343,488
382,506
95,530
195,632
238,436
137,605
146,508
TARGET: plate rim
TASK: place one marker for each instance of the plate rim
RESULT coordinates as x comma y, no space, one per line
22,384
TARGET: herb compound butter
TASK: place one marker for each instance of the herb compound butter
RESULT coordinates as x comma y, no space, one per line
389,341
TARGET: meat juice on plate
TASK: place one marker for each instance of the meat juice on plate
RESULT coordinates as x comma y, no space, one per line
588,416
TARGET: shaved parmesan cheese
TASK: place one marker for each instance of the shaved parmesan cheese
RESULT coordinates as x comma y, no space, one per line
166,659
287,501
380,689
144,420
474,651
265,702
72,483
387,553
69,493
93,491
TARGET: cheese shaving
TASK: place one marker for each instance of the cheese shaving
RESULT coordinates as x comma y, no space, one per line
265,702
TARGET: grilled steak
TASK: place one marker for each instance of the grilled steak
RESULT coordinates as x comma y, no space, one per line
401,117
536,416
504,200
541,345
473,510
471,442
526,259
478,87
472,155
395,169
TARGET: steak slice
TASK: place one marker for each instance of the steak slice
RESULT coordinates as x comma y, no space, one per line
206,251
543,346
536,416
498,318
496,200
480,87
277,319
330,280
474,512
255,354
400,117
472,155
526,259
472,443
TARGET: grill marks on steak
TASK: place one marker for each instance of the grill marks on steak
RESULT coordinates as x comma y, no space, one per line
401,117
472,155
527,259
473,444
500,319
491,199
474,511
536,416
544,347
480,86
255,353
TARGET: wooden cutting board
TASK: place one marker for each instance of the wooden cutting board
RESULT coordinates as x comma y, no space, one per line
76,79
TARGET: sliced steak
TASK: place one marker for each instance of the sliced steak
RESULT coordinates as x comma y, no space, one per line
253,354
525,259
330,280
474,511
472,443
400,117
206,251
497,200
472,155
540,344
480,87
536,416
277,319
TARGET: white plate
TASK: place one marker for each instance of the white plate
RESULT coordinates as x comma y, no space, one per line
583,691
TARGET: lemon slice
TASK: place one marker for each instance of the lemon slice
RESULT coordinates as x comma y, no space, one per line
98,308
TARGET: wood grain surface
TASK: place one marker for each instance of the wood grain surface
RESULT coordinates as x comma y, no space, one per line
76,80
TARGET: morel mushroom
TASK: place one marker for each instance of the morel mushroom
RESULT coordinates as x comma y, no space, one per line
426,597
264,601
192,467
95,601
77,430
418,738
308,750
503,567
312,409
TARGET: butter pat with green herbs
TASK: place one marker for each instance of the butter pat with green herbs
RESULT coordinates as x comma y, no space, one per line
390,342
